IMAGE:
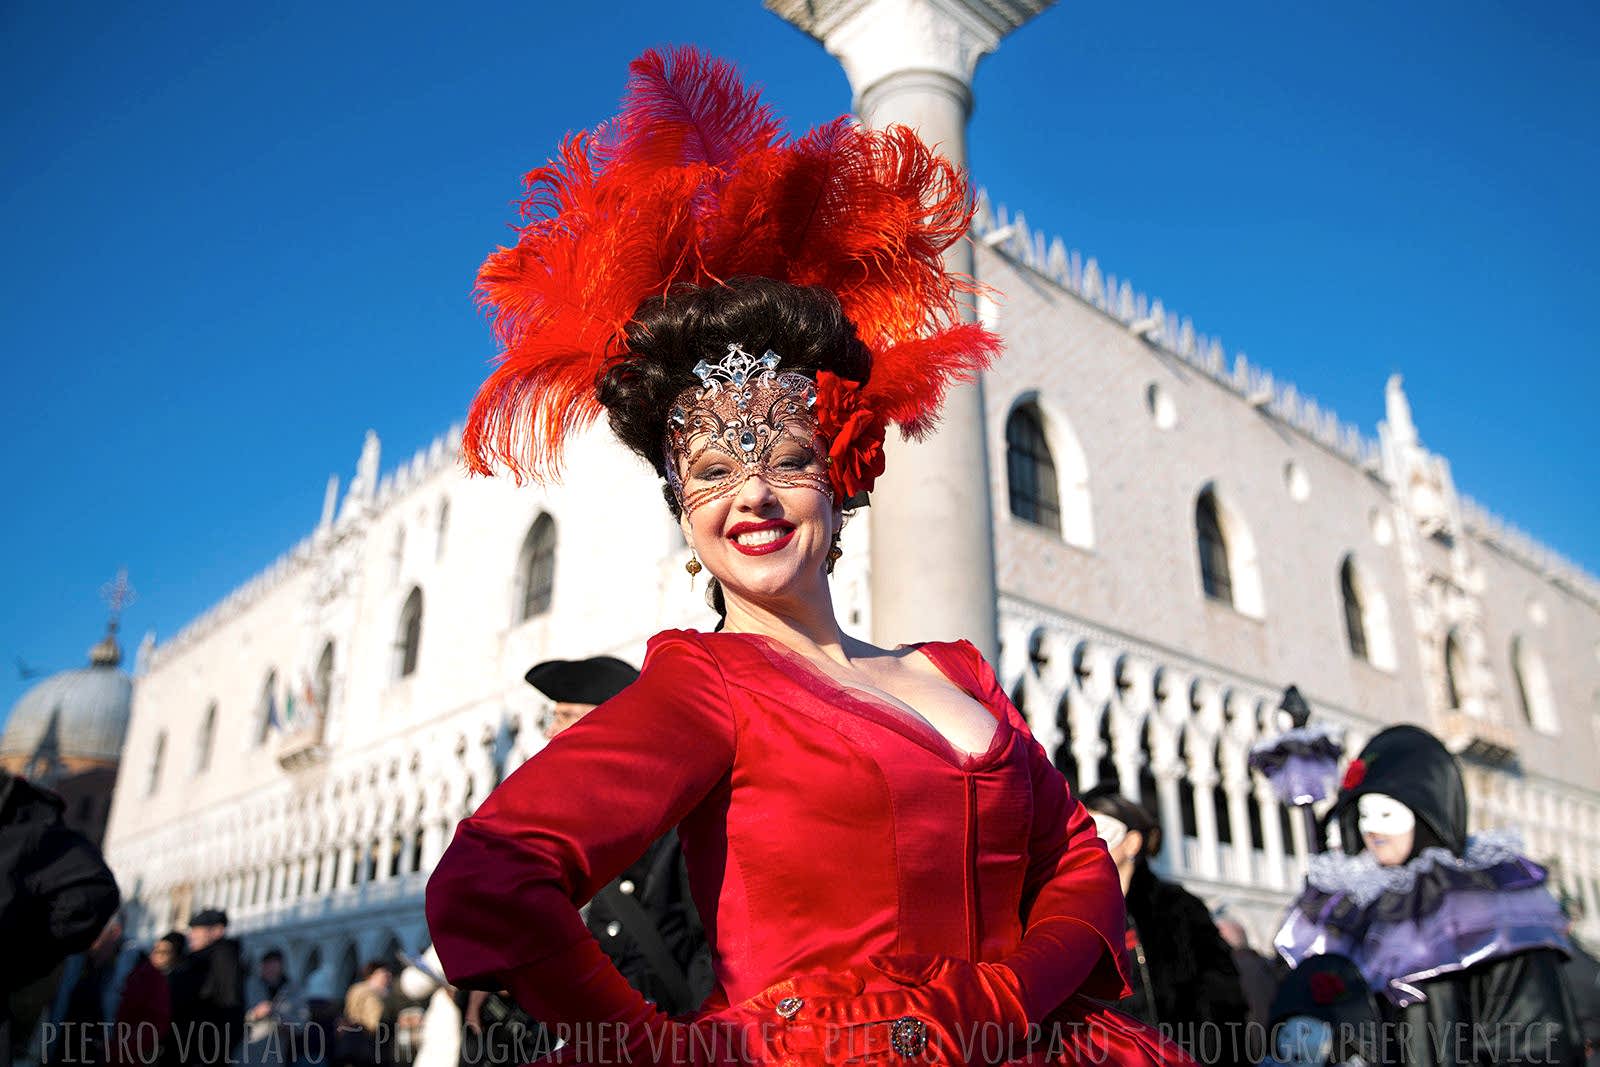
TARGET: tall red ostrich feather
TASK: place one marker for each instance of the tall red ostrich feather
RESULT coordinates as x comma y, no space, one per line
694,181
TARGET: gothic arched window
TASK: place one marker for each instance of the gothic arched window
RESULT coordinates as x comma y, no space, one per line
536,569
156,758
267,708
208,732
1454,670
1219,798
1355,629
322,684
1533,687
408,640
1066,760
1030,470
1149,794
1216,576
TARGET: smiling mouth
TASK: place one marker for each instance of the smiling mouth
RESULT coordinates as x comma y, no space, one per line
758,539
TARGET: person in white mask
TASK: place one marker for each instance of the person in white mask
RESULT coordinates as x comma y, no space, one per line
1458,934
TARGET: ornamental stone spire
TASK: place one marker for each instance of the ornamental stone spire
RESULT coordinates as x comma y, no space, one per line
912,62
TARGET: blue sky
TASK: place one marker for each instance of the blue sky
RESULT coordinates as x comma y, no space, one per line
236,236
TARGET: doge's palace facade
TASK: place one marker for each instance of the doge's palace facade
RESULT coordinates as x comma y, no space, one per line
1349,567
301,753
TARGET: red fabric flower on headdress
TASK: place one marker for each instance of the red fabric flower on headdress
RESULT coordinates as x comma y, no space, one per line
854,433
1354,775
694,182
1326,988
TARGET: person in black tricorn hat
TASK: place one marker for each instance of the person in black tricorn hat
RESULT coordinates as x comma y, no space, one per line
1458,934
1184,977
644,919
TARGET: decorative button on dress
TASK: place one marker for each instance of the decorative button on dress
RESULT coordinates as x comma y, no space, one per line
842,854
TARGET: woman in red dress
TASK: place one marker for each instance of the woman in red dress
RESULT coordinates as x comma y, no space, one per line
887,864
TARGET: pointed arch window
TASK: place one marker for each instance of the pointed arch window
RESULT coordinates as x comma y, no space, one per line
156,758
203,743
408,638
322,683
1355,629
1031,470
1219,800
267,708
1149,793
1066,759
536,569
1216,574
1533,687
1455,668
1188,822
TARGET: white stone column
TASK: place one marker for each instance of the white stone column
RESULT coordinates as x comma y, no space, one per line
1169,777
1203,780
1302,844
345,874
1271,833
912,62
384,847
1236,786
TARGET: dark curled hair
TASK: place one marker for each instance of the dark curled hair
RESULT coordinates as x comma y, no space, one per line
670,334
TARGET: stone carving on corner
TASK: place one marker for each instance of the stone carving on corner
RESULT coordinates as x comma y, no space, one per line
337,565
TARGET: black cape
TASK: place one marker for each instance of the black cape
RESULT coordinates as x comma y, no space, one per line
1184,977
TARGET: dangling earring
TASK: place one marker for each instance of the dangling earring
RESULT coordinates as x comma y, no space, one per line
834,553
693,567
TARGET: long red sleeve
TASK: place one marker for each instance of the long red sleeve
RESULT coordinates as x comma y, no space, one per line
503,902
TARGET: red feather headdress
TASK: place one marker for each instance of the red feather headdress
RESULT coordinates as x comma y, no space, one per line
695,182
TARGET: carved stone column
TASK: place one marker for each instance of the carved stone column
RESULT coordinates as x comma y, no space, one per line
1203,780
1271,832
1169,778
345,874
912,62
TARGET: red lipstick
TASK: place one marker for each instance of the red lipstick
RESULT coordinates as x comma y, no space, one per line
787,535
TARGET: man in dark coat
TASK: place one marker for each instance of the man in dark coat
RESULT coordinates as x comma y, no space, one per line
56,893
1459,934
208,992
1184,978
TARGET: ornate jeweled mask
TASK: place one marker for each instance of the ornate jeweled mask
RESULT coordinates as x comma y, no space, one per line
746,417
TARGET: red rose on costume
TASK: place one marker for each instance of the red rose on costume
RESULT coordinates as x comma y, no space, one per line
854,433
1326,988
1354,775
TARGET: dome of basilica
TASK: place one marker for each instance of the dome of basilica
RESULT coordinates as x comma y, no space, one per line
85,709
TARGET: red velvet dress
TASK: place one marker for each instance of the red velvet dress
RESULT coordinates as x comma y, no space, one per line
851,868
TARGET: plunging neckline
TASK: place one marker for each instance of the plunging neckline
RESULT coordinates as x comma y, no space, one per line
897,713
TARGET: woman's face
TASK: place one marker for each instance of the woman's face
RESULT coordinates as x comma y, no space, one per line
766,534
